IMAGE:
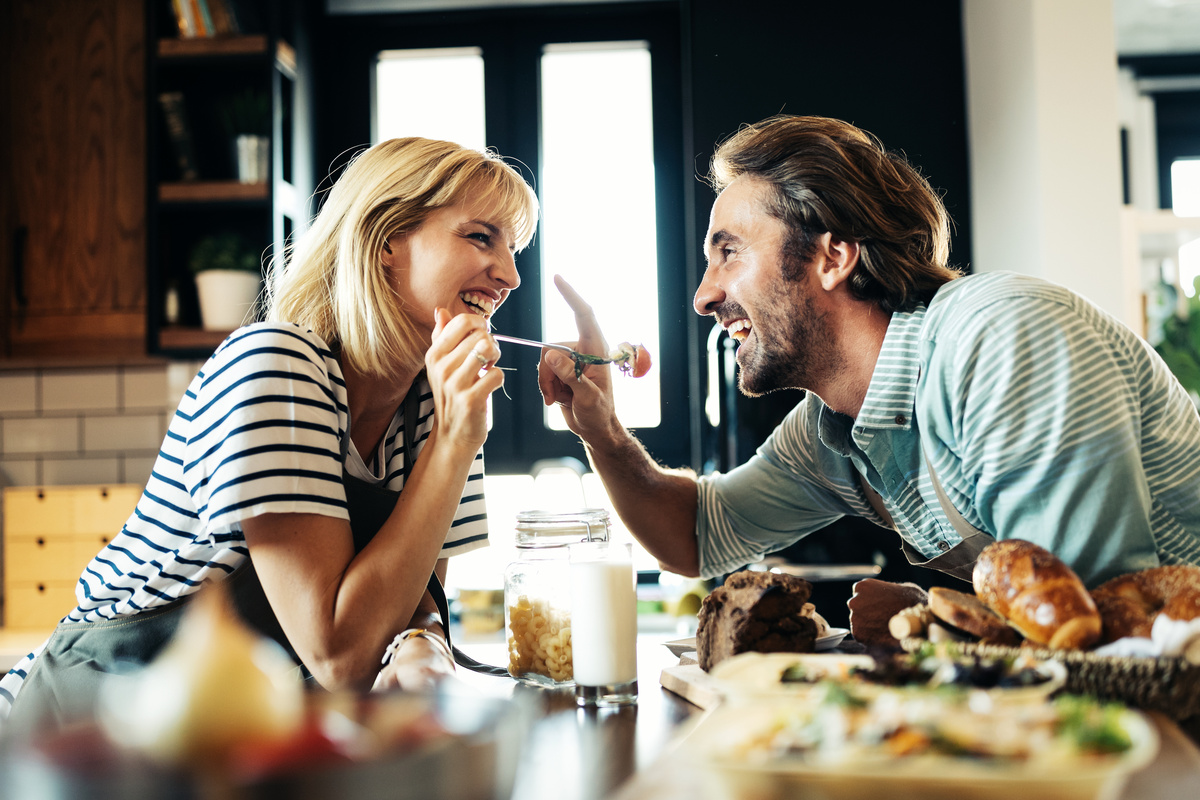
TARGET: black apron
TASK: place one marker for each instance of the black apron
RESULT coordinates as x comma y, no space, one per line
64,680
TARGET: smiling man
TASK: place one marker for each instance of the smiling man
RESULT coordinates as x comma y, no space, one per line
954,409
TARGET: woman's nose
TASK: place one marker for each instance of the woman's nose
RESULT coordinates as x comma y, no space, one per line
505,270
709,294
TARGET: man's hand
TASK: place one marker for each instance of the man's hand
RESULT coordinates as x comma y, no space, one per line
586,401
874,603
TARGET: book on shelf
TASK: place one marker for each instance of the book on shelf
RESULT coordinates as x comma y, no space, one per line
184,21
205,18
179,131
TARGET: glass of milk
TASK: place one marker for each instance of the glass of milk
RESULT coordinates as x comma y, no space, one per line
604,623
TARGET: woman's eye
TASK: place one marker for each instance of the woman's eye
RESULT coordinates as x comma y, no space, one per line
486,238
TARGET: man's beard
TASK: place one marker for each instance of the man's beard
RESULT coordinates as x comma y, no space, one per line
792,344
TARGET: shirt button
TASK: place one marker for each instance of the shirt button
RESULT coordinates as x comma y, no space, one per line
943,546
901,419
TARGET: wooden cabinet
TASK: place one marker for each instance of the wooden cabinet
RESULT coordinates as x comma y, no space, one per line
72,178
209,79
50,535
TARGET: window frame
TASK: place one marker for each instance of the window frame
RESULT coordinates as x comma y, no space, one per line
512,40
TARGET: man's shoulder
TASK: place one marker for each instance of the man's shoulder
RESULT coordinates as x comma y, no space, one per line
978,296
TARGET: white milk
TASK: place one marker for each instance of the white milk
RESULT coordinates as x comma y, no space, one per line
604,618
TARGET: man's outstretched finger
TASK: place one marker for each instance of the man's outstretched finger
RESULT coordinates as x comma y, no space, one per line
585,318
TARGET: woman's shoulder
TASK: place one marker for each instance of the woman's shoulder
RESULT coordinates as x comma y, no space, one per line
270,350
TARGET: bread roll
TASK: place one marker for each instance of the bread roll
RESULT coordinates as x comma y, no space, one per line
1129,604
1037,593
966,612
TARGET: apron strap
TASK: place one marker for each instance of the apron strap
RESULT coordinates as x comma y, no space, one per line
958,561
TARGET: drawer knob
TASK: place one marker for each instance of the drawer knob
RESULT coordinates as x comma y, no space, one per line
41,587
40,541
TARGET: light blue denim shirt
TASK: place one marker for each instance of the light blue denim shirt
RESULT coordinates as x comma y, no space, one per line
1045,419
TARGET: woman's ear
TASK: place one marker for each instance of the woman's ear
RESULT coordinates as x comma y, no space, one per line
836,259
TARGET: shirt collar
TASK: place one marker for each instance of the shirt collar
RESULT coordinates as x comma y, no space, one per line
892,394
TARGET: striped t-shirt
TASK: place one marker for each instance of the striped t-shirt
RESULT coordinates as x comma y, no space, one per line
1044,418
259,430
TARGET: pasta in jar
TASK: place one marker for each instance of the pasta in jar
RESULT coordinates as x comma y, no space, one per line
539,640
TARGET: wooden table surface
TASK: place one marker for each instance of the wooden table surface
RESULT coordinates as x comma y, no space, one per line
628,753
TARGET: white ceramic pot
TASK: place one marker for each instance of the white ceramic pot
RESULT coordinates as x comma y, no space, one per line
227,298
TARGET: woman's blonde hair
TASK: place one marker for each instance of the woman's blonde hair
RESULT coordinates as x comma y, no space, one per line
334,282
828,175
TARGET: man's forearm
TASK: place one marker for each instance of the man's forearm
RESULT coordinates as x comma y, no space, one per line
657,505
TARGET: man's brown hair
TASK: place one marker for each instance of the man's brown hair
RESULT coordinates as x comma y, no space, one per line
830,176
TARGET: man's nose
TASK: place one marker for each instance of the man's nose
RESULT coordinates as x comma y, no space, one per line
709,295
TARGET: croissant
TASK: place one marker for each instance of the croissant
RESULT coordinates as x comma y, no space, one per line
1037,593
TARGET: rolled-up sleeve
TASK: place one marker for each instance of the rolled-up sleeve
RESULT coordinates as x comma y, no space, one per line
787,490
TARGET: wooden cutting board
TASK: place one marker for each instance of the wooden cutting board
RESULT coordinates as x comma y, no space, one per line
691,683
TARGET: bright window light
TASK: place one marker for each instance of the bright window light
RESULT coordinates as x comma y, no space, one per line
1185,201
597,197
436,93
1185,187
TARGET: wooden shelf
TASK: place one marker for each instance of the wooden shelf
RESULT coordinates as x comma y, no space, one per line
212,46
180,338
218,46
211,191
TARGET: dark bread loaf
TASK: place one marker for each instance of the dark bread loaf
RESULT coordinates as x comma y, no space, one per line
755,612
1037,593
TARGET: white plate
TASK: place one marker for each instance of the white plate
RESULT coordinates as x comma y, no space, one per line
832,638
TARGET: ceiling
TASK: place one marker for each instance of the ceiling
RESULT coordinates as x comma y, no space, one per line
1157,27
1143,27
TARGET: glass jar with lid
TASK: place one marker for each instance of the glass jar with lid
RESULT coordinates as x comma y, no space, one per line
537,592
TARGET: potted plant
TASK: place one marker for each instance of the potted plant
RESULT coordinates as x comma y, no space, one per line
228,271
247,119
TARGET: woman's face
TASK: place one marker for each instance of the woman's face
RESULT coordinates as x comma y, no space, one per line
460,258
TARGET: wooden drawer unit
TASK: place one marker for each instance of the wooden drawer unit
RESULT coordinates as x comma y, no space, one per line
50,535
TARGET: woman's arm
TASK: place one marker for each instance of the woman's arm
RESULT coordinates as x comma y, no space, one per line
340,610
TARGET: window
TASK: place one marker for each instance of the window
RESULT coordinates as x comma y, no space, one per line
435,93
599,226
1185,201
589,112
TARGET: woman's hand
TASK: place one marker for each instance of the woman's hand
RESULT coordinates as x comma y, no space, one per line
418,666
460,364
586,402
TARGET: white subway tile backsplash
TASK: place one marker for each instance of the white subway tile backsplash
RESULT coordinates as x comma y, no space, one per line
129,432
145,388
18,472
74,390
18,392
40,435
74,471
179,377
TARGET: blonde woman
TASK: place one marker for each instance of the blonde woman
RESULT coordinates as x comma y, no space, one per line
327,461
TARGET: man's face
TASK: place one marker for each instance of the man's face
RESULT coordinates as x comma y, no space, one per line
783,339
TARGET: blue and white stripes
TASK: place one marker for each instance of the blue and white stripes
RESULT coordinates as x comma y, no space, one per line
1044,418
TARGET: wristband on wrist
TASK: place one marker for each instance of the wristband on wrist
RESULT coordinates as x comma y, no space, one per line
404,636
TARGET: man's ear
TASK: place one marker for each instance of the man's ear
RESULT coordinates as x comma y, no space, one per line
836,260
